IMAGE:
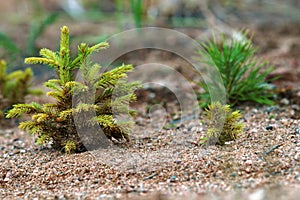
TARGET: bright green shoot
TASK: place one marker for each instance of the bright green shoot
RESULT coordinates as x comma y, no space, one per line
244,76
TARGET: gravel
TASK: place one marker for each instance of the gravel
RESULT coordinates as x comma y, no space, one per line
264,163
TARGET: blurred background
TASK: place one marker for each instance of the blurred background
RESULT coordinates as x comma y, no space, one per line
28,25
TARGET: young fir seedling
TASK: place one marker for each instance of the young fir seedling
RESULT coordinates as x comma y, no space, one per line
243,75
223,124
55,121
14,87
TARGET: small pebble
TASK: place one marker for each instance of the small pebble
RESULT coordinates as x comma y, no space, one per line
173,178
269,128
10,153
16,139
7,176
271,108
295,107
297,157
248,162
285,101
297,130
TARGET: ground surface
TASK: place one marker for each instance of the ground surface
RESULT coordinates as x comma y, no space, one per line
263,163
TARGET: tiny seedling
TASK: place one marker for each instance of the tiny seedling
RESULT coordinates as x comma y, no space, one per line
14,87
244,76
54,122
223,125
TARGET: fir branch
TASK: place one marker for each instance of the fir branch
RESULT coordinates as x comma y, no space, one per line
52,85
97,47
40,117
82,56
55,81
59,96
106,94
43,139
83,107
64,45
51,108
76,87
46,53
121,104
107,121
19,109
90,74
32,127
64,53
112,77
46,61
64,115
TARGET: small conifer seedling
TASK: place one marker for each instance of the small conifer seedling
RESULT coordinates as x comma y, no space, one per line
14,87
54,122
223,124
244,76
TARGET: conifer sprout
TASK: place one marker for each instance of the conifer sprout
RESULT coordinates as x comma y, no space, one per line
223,124
14,87
59,122
243,74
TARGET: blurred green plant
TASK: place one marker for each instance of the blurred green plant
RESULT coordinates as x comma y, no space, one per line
136,7
223,125
9,45
10,49
55,122
37,28
14,87
137,12
119,14
244,76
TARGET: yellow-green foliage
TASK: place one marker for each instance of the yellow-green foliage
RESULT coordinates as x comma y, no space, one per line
54,122
69,146
14,87
223,124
